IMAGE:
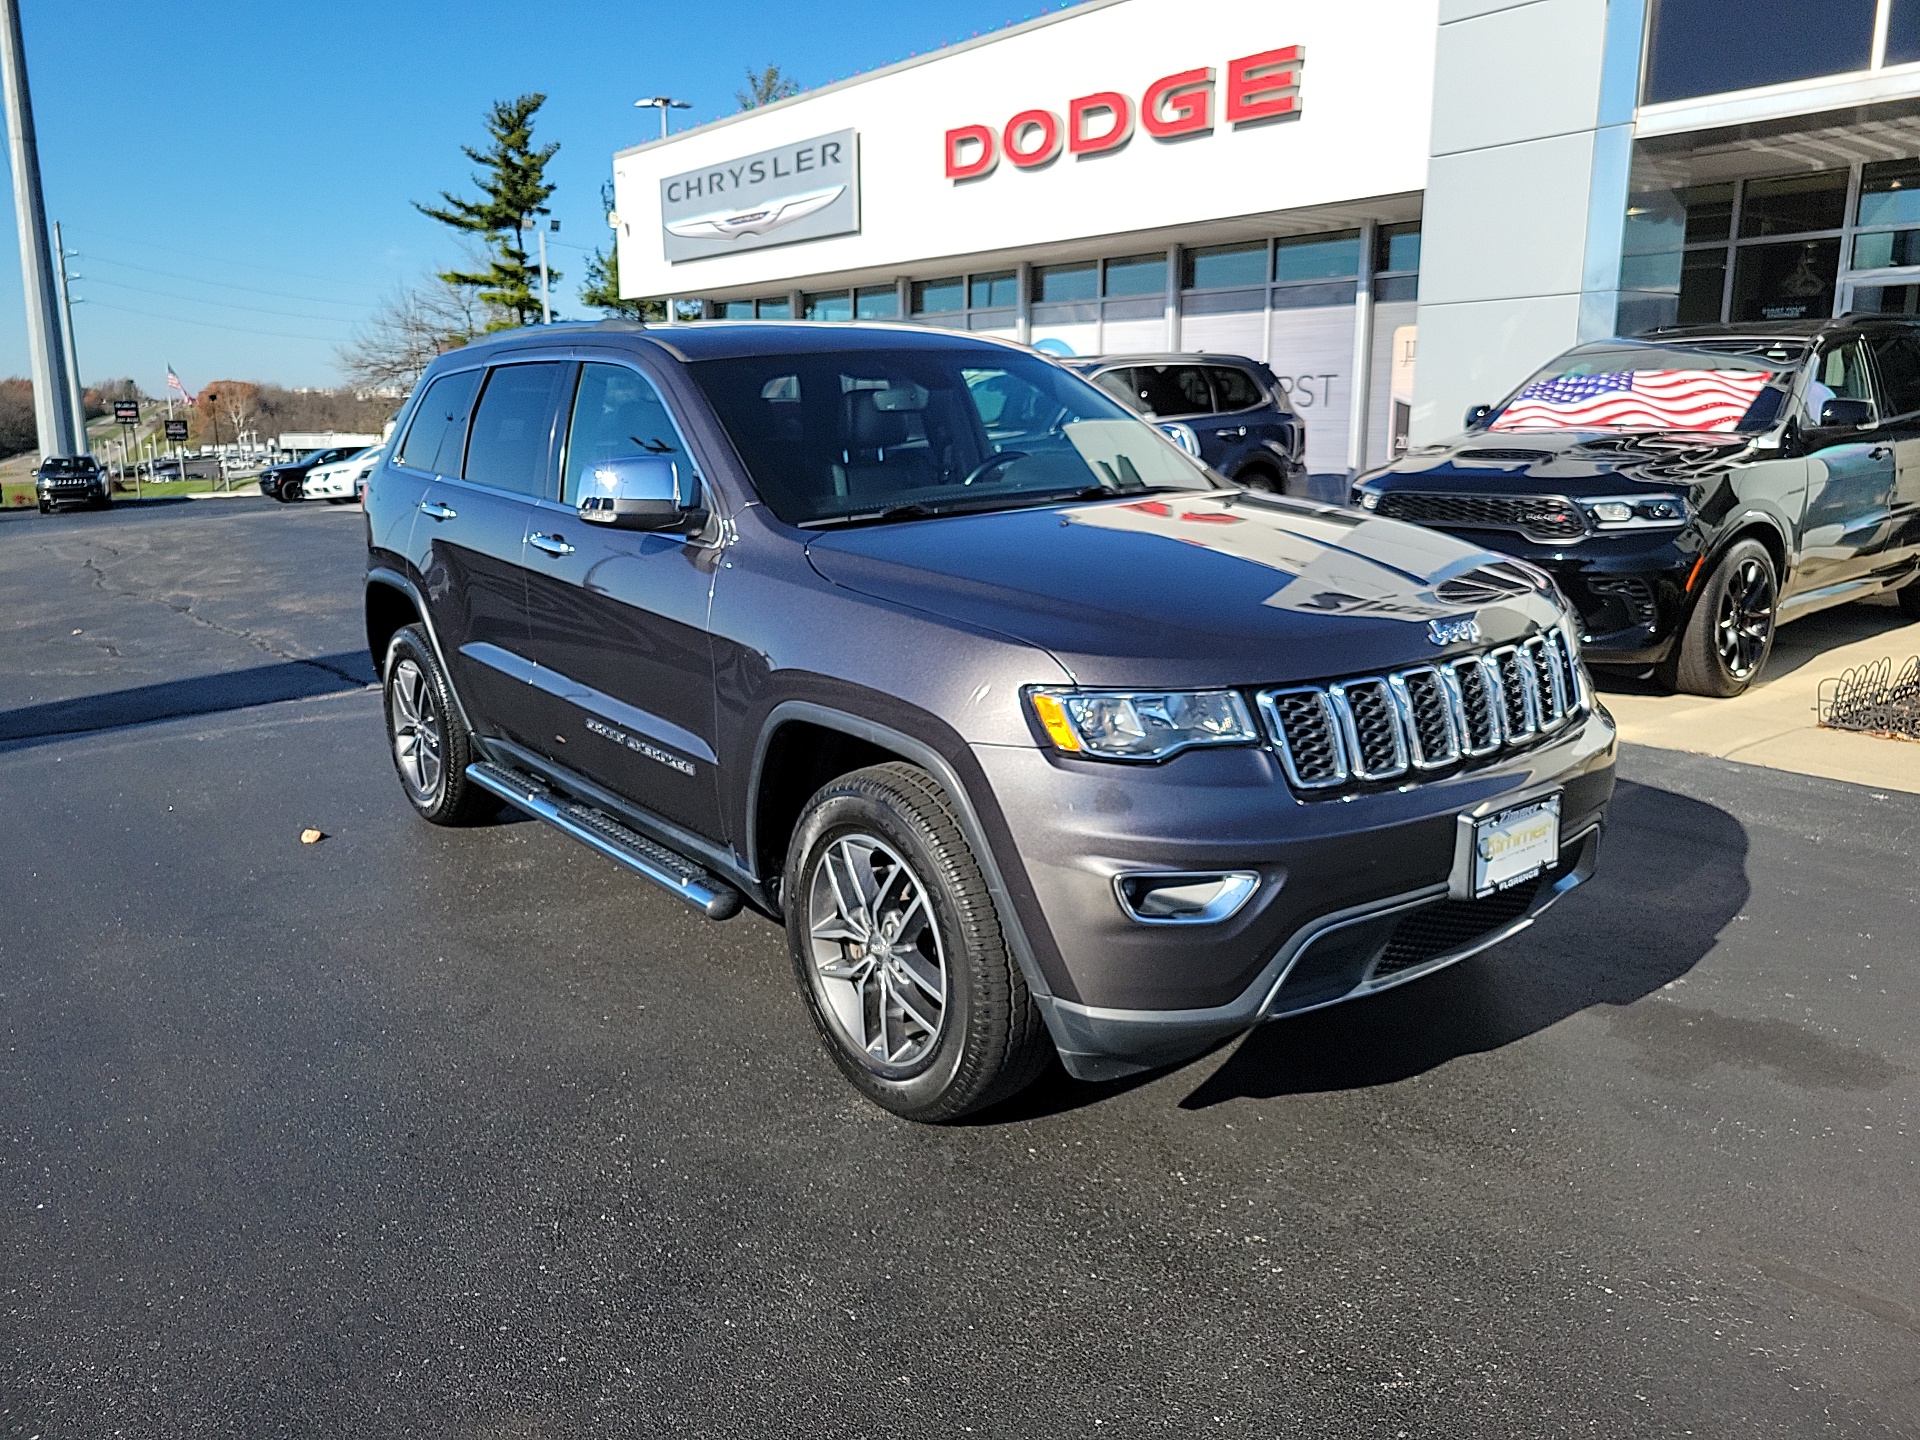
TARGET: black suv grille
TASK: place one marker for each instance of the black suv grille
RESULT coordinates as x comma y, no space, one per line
1427,718
1544,517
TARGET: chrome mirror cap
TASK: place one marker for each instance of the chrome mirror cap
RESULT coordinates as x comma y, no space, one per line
641,492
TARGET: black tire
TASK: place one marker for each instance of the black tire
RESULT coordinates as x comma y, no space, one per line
289,492
1259,477
430,745
339,499
988,1041
1729,633
45,508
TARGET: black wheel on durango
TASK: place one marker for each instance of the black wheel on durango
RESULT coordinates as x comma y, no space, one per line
45,508
899,951
1730,632
1259,477
431,746
288,492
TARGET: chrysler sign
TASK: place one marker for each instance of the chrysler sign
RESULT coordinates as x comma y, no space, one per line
1255,90
800,191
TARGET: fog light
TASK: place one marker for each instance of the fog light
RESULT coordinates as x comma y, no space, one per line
1185,898
1369,500
1613,512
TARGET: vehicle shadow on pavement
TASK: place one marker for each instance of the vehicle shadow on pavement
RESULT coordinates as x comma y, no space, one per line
1672,875
175,699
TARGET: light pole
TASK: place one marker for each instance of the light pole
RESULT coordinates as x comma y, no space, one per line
53,423
75,395
663,103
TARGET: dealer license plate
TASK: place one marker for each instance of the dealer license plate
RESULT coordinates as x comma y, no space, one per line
1514,845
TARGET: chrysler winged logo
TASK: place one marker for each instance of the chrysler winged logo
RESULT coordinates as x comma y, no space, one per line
1457,630
724,224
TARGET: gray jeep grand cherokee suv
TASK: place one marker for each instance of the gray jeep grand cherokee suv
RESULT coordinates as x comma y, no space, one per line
1037,735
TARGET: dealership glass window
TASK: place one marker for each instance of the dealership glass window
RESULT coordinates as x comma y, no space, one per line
1214,267
939,297
733,310
1137,275
997,289
775,309
1709,47
1703,286
1396,262
1316,257
1889,193
1794,204
1903,32
832,305
1055,283
1709,212
877,302
1793,280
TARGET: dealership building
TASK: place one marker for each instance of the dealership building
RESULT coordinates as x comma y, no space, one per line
1402,206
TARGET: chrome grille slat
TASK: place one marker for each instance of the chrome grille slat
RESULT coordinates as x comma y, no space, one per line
1426,718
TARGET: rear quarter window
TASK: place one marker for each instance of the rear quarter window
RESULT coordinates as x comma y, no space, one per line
1235,388
439,427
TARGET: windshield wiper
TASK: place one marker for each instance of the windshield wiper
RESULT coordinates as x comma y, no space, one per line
920,511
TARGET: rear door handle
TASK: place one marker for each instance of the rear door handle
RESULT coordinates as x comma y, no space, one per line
551,544
1879,452
434,510
1232,434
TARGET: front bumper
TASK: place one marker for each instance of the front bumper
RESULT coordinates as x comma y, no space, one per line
1353,892
1629,589
72,492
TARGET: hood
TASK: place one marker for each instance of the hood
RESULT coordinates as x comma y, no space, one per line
1568,462
1210,588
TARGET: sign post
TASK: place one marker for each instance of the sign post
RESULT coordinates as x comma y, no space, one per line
126,414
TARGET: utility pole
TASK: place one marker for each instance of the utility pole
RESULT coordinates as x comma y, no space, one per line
546,310
51,419
75,395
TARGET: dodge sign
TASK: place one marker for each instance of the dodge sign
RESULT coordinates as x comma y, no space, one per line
801,191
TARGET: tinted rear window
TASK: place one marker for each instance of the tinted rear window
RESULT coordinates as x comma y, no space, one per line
440,424
1173,389
1235,388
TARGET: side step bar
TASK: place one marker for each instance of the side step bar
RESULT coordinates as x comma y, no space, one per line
693,883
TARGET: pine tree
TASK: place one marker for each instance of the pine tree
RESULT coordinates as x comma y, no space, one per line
514,193
766,86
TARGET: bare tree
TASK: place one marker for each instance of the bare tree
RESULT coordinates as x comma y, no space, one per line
411,328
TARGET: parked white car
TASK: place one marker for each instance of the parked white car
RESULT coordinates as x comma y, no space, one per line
344,481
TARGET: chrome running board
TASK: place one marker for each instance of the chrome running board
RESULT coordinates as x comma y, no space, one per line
669,870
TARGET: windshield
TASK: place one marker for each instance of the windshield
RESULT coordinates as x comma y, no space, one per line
893,434
1738,386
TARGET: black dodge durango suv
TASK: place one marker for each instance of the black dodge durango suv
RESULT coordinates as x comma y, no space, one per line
1694,489
1036,737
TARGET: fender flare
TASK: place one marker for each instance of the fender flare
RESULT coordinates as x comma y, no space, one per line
936,765
395,580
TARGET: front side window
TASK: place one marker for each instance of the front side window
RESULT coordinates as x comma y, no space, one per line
616,414
1838,374
1735,387
513,428
877,434
439,428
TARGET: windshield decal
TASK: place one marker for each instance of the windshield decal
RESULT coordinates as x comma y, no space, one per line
1636,400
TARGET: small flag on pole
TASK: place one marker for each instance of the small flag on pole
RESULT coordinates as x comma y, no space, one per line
173,383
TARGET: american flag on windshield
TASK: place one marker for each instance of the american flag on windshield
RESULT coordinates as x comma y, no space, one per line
1636,400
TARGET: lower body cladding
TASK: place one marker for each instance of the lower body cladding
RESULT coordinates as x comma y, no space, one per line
1315,901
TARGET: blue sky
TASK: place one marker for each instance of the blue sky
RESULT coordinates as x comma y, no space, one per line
236,175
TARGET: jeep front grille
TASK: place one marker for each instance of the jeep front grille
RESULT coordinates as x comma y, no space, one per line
1376,728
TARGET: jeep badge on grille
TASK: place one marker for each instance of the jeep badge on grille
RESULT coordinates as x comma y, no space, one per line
1458,630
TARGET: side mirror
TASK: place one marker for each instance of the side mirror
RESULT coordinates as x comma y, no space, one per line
1847,415
1477,415
642,492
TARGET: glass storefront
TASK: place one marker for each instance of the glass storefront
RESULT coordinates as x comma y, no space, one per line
1709,47
1778,247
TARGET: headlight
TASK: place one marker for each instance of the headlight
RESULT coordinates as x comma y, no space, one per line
1367,499
1140,725
1636,512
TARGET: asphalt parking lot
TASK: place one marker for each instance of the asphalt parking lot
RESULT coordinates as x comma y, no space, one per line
417,1132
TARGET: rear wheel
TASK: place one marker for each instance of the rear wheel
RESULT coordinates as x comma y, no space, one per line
899,951
430,744
1259,477
1730,632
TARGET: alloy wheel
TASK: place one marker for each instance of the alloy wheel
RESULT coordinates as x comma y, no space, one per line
879,965
1745,622
416,731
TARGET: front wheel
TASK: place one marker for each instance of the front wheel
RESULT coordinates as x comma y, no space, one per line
430,744
1730,632
899,951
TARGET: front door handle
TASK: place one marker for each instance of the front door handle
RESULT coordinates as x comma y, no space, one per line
1879,452
1234,434
551,544
434,510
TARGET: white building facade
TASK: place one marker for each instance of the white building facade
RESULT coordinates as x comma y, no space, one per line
1402,206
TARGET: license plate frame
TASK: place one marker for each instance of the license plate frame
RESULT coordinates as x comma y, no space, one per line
1506,847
